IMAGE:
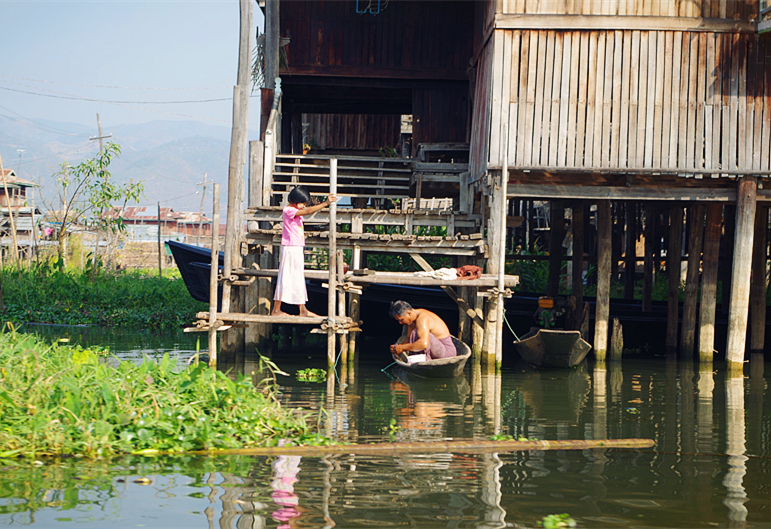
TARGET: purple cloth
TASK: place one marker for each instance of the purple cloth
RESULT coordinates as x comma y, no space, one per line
437,348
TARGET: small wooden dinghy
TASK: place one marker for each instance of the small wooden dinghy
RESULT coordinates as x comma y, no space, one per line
552,348
441,367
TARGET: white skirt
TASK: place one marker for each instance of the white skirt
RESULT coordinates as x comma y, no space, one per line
290,287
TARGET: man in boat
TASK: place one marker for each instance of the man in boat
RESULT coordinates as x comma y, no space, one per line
426,333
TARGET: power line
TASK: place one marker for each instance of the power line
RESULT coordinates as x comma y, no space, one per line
116,87
67,96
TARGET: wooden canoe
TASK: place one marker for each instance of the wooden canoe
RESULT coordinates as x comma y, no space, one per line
441,367
552,348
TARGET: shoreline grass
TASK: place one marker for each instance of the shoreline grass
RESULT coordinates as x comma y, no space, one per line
58,400
43,293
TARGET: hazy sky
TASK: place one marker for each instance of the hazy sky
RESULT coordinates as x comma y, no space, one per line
69,60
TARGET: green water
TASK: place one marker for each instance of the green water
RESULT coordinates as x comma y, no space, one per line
711,466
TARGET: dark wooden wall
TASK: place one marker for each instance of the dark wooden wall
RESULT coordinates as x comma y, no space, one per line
358,132
408,39
440,114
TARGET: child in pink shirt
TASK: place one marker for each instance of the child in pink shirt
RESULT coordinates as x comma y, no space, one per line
290,286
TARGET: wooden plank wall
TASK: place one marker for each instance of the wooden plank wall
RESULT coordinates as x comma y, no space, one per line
440,114
480,119
628,100
368,132
415,39
731,9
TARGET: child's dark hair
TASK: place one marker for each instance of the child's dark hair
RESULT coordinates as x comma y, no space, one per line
299,195
399,308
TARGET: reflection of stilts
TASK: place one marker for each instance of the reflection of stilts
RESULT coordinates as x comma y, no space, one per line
736,496
491,491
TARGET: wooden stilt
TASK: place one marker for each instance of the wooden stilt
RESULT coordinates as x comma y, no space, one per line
556,235
602,308
674,253
758,288
746,198
215,258
616,340
354,311
341,307
332,294
709,282
688,331
577,281
630,250
648,228
729,219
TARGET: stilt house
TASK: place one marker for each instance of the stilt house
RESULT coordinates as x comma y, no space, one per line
626,114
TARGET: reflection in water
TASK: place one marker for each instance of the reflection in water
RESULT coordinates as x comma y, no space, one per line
736,496
709,468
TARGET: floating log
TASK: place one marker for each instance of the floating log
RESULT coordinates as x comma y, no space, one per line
423,447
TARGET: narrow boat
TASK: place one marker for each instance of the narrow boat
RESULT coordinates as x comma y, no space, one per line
552,348
441,367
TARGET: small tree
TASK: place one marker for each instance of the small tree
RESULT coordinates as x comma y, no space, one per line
87,195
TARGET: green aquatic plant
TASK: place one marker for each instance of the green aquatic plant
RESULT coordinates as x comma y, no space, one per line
557,521
312,375
58,400
47,293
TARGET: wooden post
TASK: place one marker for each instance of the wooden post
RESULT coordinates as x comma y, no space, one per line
160,254
577,285
556,235
729,236
602,307
341,306
649,230
616,340
272,34
688,331
493,308
14,254
215,259
502,211
746,197
709,282
332,294
674,252
758,288
630,250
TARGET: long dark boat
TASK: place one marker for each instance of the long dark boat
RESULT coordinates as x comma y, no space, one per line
194,264
441,367
552,348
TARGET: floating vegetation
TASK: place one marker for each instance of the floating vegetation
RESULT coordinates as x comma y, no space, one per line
312,375
59,400
557,521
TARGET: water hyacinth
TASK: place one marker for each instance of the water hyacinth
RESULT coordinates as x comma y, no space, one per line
57,400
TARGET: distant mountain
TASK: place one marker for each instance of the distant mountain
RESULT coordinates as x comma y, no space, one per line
170,157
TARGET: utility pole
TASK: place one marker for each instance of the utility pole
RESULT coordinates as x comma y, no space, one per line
160,254
200,211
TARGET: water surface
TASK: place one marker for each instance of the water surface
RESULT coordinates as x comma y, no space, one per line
711,466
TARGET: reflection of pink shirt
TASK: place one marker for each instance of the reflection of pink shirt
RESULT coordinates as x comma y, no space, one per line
293,233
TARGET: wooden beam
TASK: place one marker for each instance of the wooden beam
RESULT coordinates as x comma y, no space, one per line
740,273
577,192
622,22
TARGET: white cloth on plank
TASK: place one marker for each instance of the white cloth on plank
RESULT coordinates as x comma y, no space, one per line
442,273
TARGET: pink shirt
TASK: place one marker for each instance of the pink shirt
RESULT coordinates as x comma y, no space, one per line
293,232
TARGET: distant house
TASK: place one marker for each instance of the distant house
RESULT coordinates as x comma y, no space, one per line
16,199
142,223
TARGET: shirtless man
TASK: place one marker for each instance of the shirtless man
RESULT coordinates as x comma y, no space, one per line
426,332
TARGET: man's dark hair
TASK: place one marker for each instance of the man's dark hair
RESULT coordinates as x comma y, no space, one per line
399,308
298,195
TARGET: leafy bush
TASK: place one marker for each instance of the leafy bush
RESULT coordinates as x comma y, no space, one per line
59,400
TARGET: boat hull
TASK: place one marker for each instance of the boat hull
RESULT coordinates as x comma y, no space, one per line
552,348
441,367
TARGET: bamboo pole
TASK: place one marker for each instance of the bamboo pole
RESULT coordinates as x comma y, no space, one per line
602,308
341,307
430,447
332,281
746,198
502,246
215,258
